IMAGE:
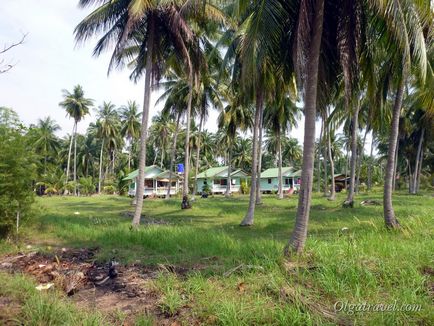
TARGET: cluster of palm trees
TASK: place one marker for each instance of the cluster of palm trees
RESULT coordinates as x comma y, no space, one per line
343,59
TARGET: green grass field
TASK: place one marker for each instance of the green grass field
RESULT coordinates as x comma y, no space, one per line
364,264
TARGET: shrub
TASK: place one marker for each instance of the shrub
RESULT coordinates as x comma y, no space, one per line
244,187
17,170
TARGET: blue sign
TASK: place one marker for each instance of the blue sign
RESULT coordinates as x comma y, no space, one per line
180,167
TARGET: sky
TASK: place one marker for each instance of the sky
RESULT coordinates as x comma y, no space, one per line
50,61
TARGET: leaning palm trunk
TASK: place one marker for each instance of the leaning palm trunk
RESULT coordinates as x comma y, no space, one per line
416,168
258,179
68,165
248,219
228,185
355,125
172,155
299,234
144,130
196,165
395,166
332,166
419,171
75,160
389,214
100,167
279,150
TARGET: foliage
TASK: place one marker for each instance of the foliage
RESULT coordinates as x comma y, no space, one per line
17,171
86,186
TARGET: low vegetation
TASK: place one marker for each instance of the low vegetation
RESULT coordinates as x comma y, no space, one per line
208,270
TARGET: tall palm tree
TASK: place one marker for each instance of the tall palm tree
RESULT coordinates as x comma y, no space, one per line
234,117
144,33
280,116
77,106
107,130
130,118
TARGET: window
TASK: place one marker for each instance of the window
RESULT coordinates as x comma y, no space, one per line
233,182
223,182
269,180
287,181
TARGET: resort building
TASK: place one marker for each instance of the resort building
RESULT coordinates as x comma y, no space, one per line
216,180
156,182
270,179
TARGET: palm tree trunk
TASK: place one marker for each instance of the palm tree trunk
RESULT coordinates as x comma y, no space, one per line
389,214
130,149
258,179
410,177
185,203
100,167
395,165
325,160
332,166
416,168
347,163
228,185
196,165
355,125
249,217
162,154
75,160
318,189
419,171
144,128
360,158
69,157
370,163
299,234
172,154
279,150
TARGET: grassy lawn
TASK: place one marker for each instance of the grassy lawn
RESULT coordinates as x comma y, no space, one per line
364,263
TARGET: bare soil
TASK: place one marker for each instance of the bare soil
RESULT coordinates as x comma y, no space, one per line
89,285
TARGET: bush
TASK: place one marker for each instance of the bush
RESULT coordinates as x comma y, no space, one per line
17,170
86,186
244,187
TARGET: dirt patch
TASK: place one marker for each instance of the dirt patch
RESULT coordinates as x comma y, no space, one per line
110,288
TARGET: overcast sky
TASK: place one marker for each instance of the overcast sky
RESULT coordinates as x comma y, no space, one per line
49,61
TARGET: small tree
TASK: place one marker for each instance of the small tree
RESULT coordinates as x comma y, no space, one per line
16,176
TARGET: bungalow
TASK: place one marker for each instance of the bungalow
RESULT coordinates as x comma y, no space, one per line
156,182
270,179
341,180
217,179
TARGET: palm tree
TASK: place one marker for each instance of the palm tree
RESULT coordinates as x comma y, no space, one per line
77,107
130,118
144,33
233,117
45,141
107,130
160,131
279,117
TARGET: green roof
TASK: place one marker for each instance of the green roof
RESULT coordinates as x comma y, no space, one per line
135,173
211,172
274,172
221,171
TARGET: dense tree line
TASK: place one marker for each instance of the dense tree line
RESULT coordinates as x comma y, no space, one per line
359,68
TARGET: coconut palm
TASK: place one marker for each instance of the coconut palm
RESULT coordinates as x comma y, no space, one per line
77,106
45,140
279,117
234,117
108,129
130,119
143,33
